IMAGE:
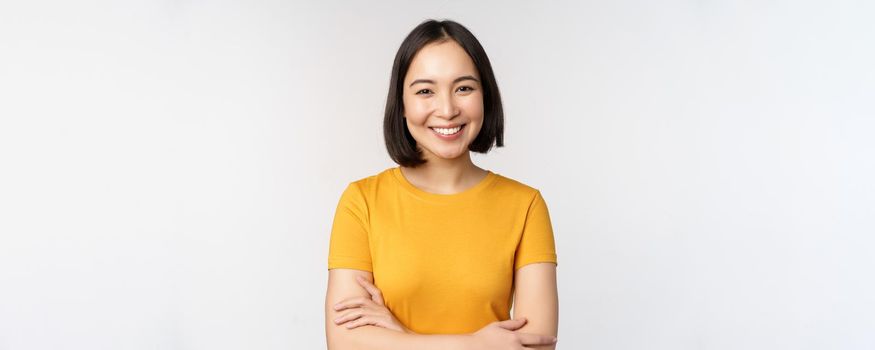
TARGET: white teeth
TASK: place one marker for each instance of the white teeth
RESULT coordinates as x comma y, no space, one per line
449,131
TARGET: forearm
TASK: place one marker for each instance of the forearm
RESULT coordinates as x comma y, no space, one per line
377,338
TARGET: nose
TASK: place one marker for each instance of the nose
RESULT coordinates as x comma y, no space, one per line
446,106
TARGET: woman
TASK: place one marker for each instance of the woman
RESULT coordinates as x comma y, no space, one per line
431,254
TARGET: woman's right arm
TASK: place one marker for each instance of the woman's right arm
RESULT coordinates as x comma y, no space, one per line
342,285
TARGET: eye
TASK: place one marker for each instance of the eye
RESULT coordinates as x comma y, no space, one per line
466,87
420,91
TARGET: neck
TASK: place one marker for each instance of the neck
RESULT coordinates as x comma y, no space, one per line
446,176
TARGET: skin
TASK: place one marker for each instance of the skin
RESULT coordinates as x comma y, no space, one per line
368,309
442,88
433,97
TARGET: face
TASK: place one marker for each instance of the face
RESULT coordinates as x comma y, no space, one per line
443,100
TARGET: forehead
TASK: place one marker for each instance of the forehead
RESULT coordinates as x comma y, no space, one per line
441,61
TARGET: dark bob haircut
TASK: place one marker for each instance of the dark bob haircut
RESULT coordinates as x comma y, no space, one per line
399,142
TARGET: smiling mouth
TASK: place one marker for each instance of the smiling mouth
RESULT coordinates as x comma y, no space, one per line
448,131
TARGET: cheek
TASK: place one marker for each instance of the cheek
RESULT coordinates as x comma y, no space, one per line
415,111
415,122
473,107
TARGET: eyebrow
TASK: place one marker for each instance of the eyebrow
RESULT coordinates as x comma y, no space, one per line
464,77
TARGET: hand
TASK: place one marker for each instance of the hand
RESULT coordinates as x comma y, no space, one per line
368,310
501,335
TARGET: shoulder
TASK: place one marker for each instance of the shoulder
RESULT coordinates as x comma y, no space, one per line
363,186
510,187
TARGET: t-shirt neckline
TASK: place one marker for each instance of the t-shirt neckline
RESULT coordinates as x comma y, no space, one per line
399,176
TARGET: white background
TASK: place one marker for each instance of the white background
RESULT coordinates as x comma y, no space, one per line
169,169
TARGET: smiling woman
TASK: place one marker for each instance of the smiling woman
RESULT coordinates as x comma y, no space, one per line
459,103
433,253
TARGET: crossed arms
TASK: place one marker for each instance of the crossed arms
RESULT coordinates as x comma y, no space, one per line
535,300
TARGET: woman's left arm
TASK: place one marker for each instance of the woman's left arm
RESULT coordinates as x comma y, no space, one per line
537,299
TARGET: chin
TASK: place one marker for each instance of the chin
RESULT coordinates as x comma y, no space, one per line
451,153
449,156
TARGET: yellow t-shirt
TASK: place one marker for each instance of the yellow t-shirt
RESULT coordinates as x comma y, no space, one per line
444,262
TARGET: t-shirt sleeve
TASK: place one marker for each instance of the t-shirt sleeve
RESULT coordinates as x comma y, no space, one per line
536,243
348,247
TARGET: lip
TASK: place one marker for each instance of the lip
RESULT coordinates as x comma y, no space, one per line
446,127
448,137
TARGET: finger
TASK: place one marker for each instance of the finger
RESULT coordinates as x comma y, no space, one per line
363,321
349,316
352,302
376,294
512,324
536,339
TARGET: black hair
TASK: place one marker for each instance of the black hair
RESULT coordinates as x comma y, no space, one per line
399,142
